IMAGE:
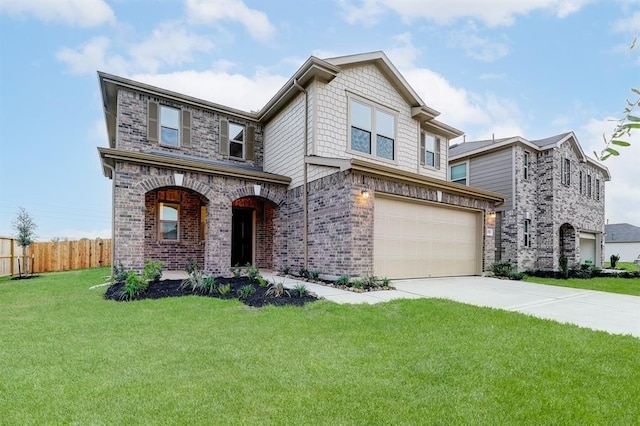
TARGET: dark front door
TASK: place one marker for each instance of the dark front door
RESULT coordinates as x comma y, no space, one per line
241,237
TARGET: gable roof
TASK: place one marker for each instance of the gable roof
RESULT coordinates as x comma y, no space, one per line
621,233
476,148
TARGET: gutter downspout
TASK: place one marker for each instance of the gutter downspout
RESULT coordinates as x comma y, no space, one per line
113,216
305,198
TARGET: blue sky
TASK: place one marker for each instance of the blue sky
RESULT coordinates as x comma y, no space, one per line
533,68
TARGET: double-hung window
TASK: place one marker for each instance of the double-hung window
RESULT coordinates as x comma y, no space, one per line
565,171
527,232
526,165
581,183
368,121
598,189
458,173
169,221
169,126
236,140
589,190
430,150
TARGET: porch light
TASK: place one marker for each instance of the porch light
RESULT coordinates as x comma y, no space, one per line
178,179
365,193
492,214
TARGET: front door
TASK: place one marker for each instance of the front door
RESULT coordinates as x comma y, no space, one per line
241,237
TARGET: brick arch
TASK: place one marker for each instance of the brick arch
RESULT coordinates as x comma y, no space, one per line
156,182
248,191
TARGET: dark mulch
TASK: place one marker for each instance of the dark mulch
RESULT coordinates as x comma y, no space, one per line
25,277
170,288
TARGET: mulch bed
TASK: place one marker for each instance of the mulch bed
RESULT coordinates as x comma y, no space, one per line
171,288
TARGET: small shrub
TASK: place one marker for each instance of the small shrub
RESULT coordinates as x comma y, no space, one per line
245,291
369,281
614,260
262,281
209,285
195,280
237,271
357,283
517,276
119,273
385,282
252,272
564,266
343,280
303,273
286,270
152,270
503,268
301,290
191,266
277,290
314,275
224,289
133,285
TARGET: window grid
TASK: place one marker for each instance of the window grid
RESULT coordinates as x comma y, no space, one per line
367,120
527,232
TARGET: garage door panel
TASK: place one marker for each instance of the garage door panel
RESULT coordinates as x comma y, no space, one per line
422,240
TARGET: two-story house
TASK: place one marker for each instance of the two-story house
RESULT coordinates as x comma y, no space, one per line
554,197
343,171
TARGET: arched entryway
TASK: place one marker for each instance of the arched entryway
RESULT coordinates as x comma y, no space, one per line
252,231
175,226
568,242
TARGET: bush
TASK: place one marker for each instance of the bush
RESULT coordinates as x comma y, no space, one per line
133,285
314,275
503,268
517,276
384,282
152,270
614,260
209,285
343,280
245,291
119,273
252,272
191,266
277,290
303,273
564,266
301,290
224,289
195,280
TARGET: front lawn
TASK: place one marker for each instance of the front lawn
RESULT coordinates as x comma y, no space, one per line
610,284
627,266
69,356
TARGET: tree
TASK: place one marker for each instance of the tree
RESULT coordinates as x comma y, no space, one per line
626,125
25,228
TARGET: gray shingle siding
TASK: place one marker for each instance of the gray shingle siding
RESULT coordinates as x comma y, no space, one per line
494,172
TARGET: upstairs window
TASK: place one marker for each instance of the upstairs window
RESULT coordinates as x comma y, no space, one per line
526,165
169,219
589,190
430,150
598,189
458,173
368,120
168,126
565,172
236,140
581,183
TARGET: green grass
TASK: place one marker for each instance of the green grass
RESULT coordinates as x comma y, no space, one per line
68,356
627,266
609,284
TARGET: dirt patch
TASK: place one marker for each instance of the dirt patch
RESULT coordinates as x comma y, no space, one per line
171,288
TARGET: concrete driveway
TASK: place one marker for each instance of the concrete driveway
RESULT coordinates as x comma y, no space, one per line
614,313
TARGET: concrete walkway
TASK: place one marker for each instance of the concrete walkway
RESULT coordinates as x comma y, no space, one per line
614,313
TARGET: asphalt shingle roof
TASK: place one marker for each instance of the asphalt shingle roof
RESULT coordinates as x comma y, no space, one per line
621,233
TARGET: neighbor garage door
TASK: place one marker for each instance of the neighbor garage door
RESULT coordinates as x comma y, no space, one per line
413,239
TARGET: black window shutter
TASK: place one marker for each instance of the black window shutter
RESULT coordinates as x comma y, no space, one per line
249,144
152,121
223,147
186,129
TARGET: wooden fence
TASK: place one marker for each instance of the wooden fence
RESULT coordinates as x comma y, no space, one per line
54,256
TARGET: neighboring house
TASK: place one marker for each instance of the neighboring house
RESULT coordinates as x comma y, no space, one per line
554,197
343,171
623,240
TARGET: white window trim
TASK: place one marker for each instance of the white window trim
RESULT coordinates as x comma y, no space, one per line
160,221
527,161
160,126
243,142
466,164
527,232
565,171
439,141
374,106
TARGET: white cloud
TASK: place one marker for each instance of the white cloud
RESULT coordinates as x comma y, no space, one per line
168,44
82,13
233,90
255,22
478,47
622,193
70,234
630,24
92,56
479,115
491,12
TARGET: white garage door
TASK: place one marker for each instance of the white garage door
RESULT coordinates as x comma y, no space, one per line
413,240
587,247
